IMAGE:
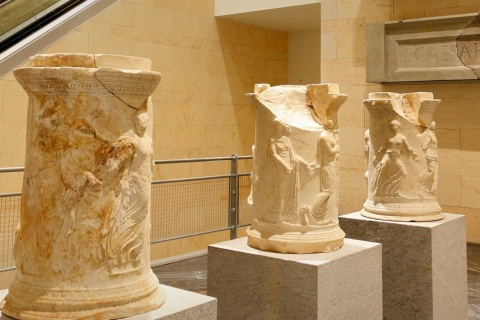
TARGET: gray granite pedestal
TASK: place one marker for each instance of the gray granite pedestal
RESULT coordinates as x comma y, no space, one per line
424,265
253,284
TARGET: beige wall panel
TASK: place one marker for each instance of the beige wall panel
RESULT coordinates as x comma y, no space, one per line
450,139
349,204
120,14
11,88
352,113
153,19
14,110
6,279
372,10
107,44
470,192
351,140
350,44
457,118
251,36
329,10
11,182
449,191
473,221
328,47
97,27
76,42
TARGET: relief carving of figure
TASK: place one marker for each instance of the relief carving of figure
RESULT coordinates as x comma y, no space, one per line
285,173
390,172
253,176
112,220
325,205
366,149
124,237
429,177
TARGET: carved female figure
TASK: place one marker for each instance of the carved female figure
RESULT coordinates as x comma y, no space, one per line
366,149
324,207
429,177
285,173
390,172
124,238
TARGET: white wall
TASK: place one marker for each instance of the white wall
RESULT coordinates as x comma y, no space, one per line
228,7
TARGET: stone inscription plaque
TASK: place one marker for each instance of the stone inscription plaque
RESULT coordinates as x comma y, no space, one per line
442,48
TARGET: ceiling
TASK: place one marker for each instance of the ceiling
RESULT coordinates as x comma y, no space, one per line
287,19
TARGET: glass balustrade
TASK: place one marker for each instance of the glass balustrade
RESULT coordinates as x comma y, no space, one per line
20,18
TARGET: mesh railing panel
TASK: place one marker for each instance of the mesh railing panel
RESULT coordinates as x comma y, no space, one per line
244,211
9,217
178,209
182,208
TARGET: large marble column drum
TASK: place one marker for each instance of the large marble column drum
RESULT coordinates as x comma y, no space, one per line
82,249
294,195
402,157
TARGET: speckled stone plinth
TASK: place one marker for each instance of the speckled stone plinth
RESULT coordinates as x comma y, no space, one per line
253,284
179,305
424,265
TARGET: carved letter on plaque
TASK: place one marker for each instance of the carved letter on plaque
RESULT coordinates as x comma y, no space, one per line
402,160
294,195
83,250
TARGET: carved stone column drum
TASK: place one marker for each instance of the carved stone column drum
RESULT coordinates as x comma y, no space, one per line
294,194
402,157
83,246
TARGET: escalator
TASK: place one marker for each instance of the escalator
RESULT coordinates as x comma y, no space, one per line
20,18
27,27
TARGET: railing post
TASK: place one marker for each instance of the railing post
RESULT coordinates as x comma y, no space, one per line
233,198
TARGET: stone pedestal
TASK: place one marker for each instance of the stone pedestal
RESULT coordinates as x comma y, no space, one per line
424,265
179,305
253,284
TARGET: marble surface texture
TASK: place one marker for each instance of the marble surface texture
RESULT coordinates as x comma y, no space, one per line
82,248
294,195
401,148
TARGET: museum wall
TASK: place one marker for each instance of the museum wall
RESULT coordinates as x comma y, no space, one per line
207,66
304,57
457,118
200,109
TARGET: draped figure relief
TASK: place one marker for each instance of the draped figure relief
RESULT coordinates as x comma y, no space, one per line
324,208
402,157
82,248
294,195
429,177
390,172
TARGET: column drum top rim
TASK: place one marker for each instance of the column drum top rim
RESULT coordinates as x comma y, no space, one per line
83,60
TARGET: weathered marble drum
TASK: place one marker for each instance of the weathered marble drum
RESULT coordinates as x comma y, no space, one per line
402,156
294,195
83,249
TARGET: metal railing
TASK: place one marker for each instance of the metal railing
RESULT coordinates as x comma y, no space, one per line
180,207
